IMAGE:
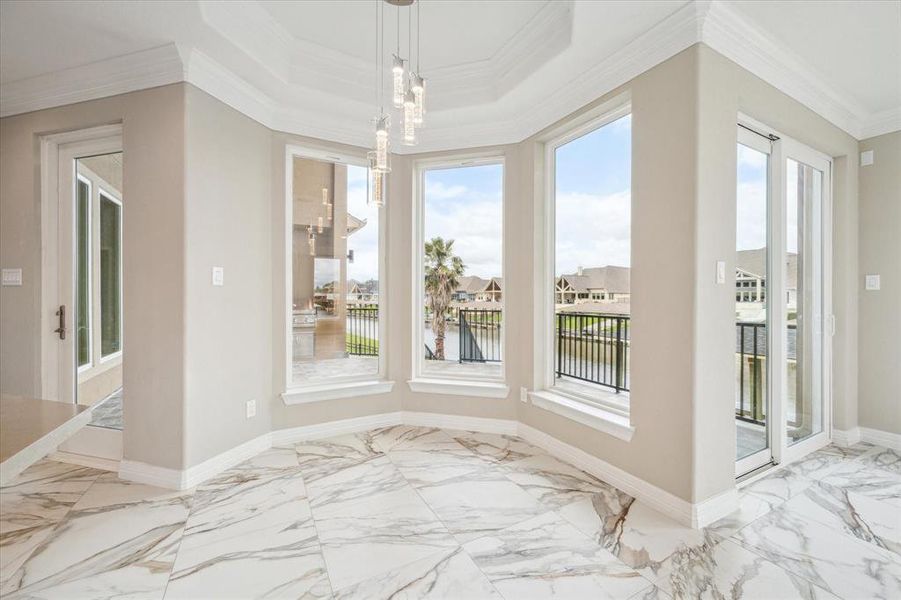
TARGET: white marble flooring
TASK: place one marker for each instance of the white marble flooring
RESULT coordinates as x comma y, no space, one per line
409,512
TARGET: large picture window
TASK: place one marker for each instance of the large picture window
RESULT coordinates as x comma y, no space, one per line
335,329
459,279
589,267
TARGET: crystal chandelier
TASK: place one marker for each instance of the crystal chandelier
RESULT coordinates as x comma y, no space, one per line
407,95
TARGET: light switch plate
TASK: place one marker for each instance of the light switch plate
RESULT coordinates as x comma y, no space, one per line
12,276
721,271
872,283
218,276
867,158
251,409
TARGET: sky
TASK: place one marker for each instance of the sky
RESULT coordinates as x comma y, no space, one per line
365,242
465,204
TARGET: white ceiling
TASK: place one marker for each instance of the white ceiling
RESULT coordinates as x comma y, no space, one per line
497,70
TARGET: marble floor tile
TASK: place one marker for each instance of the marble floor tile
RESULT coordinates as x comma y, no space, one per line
884,458
546,557
318,458
370,520
448,575
556,483
33,504
479,503
635,533
118,540
831,560
652,592
254,539
879,484
501,448
411,437
729,571
856,515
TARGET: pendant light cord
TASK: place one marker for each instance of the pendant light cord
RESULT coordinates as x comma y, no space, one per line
418,36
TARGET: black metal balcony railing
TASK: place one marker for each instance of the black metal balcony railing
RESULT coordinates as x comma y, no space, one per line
480,335
362,338
751,352
595,348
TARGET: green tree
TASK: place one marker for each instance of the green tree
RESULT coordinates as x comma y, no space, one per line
442,272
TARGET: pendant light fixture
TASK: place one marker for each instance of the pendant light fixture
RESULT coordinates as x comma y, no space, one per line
380,158
417,83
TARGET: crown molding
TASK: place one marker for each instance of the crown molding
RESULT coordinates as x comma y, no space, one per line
128,73
508,118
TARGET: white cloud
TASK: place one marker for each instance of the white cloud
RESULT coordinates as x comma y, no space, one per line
476,228
437,190
593,230
748,157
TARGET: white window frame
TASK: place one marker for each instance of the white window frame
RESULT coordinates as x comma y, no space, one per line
344,386
779,151
450,383
602,409
90,364
103,193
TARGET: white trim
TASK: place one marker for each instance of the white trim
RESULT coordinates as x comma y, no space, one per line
334,391
80,178
460,422
107,195
846,437
182,479
94,462
878,437
581,412
461,160
695,515
481,389
318,431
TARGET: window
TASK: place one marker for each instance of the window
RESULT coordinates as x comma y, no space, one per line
83,271
459,287
336,324
588,341
110,275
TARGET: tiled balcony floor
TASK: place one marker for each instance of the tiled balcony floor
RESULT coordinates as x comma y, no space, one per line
408,512
323,370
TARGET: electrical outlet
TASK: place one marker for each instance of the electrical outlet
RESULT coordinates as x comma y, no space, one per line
218,276
523,394
251,408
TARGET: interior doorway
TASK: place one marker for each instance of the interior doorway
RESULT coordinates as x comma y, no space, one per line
83,341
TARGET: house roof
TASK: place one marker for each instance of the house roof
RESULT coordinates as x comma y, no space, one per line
471,284
354,224
607,308
609,278
753,262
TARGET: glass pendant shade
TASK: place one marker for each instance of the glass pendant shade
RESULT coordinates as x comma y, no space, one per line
409,123
378,183
312,242
417,86
397,71
381,145
319,224
324,196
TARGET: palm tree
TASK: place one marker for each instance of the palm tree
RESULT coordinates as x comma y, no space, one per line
442,273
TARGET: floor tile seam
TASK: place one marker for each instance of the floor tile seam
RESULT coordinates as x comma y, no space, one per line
849,538
328,574
175,556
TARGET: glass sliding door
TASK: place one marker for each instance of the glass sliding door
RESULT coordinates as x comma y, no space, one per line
782,302
752,406
805,176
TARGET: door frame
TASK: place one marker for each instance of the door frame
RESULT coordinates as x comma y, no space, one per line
781,149
57,380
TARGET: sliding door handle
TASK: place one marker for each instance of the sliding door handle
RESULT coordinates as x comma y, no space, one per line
61,330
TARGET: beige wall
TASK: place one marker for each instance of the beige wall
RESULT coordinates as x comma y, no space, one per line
228,329
153,258
880,311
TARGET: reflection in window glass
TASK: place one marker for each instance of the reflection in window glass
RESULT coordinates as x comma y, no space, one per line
83,272
110,276
804,300
335,280
463,281
592,258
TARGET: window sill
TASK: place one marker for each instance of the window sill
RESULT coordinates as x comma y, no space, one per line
593,416
335,391
483,389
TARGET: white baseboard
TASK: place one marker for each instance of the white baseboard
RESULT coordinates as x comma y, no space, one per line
846,437
880,438
94,462
849,437
445,421
692,515
281,437
140,472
